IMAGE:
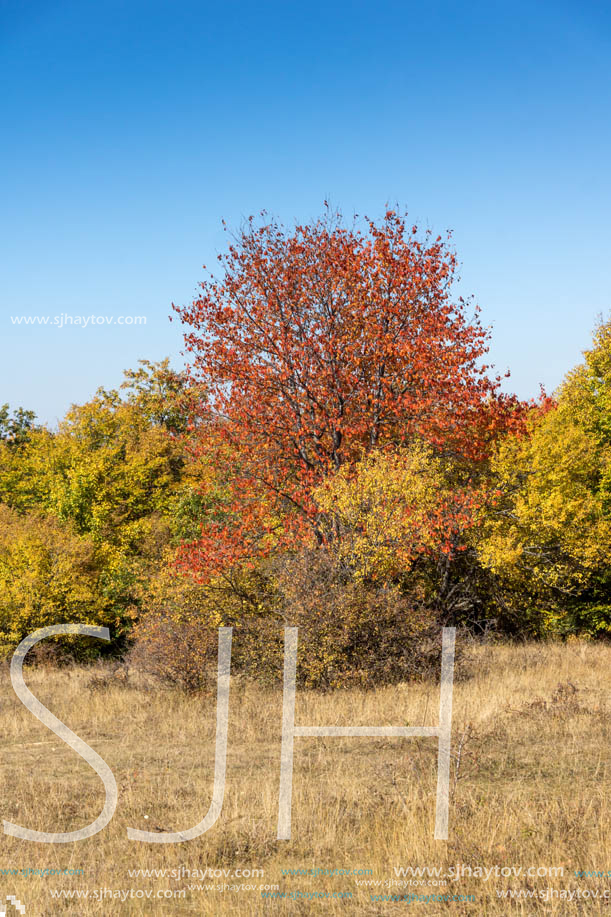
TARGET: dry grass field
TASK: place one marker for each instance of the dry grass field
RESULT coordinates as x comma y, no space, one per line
529,789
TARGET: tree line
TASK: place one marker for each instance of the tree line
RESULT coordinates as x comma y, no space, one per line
338,455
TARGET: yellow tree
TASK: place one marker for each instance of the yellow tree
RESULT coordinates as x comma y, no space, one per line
548,538
114,474
48,574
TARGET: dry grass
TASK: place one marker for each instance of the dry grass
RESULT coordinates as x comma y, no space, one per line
531,790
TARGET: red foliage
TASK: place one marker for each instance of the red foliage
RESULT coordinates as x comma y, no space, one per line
318,345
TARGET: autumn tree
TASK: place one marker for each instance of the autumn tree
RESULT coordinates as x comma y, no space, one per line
548,538
319,345
112,484
48,574
392,508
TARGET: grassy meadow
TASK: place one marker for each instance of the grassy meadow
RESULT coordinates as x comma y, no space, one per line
529,788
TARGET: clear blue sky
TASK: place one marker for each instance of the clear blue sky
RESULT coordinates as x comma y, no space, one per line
131,128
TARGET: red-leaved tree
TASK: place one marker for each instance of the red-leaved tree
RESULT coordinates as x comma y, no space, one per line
318,345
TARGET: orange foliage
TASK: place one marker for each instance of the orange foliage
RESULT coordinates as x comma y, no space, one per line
319,346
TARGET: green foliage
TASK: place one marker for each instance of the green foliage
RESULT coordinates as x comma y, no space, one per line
15,429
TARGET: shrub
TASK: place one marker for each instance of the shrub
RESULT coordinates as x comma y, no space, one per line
175,640
353,632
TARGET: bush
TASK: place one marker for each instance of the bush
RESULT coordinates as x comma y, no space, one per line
350,632
179,653
353,632
175,641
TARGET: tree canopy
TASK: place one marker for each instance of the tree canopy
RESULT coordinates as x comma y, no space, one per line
319,345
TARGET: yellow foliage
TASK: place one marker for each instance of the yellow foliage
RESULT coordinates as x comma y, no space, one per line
47,576
389,509
549,533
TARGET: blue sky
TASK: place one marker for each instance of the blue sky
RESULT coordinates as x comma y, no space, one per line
130,129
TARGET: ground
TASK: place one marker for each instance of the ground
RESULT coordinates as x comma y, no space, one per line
529,790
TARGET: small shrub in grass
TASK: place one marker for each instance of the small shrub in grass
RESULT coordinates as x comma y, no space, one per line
176,638
179,652
350,632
